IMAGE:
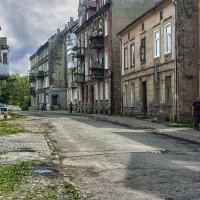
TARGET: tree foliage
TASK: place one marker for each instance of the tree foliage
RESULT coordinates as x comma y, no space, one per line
15,90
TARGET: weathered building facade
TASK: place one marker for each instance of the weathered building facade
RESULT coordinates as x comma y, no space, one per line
4,58
160,61
48,74
98,52
71,62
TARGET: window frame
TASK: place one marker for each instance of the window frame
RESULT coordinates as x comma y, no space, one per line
125,57
144,50
5,58
156,43
133,94
131,54
166,36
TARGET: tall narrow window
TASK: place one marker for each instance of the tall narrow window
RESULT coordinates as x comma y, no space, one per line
156,93
125,95
5,58
167,38
132,55
125,58
101,90
143,50
97,91
133,94
168,90
106,91
157,43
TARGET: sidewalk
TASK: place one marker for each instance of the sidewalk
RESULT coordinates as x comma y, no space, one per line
182,133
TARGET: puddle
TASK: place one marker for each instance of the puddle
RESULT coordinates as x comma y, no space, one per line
44,171
25,150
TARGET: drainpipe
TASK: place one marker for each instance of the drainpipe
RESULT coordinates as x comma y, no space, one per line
175,110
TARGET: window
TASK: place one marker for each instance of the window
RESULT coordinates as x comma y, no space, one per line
101,91
5,58
132,55
125,58
142,26
167,38
106,26
143,50
157,43
168,92
125,95
106,91
133,94
161,15
97,94
156,93
86,40
106,58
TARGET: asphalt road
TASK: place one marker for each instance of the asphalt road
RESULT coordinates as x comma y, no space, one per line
111,162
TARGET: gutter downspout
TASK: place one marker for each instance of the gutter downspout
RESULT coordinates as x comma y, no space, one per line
175,110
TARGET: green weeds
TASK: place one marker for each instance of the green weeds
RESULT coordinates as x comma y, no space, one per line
16,115
11,176
46,193
6,128
72,192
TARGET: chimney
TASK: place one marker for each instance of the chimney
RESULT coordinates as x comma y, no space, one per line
58,30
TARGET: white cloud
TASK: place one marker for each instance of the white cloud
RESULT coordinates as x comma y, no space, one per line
21,66
29,23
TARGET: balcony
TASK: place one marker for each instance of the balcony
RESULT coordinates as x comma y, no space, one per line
79,78
72,84
32,77
97,71
79,52
96,42
32,91
39,74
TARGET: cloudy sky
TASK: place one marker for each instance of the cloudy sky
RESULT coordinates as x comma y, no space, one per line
27,24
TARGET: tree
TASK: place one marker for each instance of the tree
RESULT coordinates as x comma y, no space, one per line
15,90
20,90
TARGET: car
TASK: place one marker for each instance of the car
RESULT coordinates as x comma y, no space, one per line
3,107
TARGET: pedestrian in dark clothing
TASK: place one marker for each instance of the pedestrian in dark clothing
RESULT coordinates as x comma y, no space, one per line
196,113
70,107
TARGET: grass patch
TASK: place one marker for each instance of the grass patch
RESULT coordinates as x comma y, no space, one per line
11,176
6,128
16,115
72,192
188,124
46,193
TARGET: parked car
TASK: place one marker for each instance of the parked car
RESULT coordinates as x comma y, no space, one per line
3,107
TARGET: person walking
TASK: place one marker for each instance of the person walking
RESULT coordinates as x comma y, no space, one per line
70,107
196,113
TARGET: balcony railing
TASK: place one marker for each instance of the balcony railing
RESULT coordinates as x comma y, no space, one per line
32,77
79,53
79,78
96,42
40,74
72,84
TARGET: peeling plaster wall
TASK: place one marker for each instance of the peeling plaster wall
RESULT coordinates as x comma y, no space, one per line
187,33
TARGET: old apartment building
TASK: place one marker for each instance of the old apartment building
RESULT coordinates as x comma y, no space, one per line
71,62
97,52
160,61
4,58
48,74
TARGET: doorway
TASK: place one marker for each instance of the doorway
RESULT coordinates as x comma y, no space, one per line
144,97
